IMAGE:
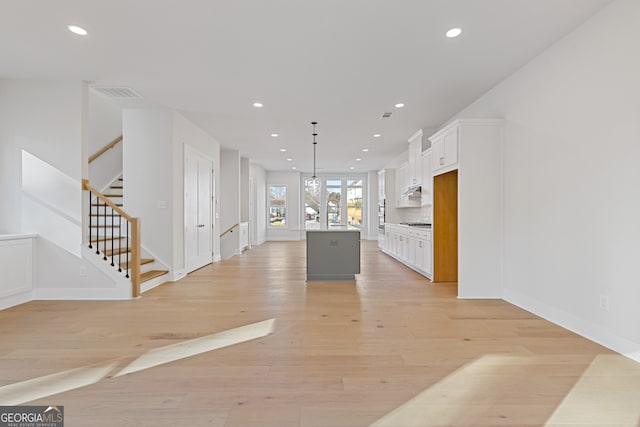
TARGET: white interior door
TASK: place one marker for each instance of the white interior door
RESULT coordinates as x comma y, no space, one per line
198,202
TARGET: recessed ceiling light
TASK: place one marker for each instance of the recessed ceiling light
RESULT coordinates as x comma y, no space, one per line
257,104
289,160
399,105
294,168
77,30
275,135
283,149
454,32
365,149
352,167
357,160
377,135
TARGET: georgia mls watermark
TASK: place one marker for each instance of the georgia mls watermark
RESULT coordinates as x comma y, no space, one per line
31,416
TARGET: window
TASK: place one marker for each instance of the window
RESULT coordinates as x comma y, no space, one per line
334,193
311,206
339,204
354,203
277,206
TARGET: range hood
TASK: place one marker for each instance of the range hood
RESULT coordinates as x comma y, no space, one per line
413,191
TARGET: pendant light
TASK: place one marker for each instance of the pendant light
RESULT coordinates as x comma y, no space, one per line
315,181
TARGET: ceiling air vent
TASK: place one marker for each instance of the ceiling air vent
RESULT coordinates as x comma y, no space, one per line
385,115
117,92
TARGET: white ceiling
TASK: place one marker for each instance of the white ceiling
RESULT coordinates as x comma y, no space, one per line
339,62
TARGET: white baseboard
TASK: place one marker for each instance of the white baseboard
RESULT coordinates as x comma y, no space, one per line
284,239
575,324
16,299
177,275
115,293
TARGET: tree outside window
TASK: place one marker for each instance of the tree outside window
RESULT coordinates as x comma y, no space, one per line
354,203
277,205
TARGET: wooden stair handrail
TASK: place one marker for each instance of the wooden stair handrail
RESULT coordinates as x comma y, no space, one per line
104,149
104,199
135,237
228,230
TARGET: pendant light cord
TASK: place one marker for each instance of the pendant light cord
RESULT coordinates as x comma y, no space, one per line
314,148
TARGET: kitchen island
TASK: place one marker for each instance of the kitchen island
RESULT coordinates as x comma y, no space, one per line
333,254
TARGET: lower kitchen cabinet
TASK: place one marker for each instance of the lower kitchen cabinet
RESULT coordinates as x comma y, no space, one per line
411,246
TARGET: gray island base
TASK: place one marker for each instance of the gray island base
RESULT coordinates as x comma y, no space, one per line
333,254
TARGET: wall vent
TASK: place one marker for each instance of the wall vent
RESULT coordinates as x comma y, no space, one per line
385,115
117,92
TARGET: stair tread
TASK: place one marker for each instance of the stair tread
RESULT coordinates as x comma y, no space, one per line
116,187
106,239
116,251
152,274
143,261
103,204
106,226
112,195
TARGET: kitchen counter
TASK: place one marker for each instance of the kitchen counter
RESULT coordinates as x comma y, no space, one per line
420,226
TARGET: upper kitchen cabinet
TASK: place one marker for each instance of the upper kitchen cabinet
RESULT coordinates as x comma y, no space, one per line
414,178
444,149
427,179
381,186
404,199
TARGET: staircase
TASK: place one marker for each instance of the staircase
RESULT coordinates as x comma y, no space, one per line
113,235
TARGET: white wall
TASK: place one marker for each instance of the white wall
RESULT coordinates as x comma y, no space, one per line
105,124
294,227
185,132
148,171
259,216
48,121
245,172
229,201
572,144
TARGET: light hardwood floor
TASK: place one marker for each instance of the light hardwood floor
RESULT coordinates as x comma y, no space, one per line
391,349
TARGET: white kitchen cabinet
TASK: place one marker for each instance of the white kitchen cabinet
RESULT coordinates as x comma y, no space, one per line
423,253
427,179
402,184
415,160
381,185
411,246
444,149
404,247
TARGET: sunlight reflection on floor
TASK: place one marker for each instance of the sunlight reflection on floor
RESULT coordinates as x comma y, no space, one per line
608,393
184,349
38,388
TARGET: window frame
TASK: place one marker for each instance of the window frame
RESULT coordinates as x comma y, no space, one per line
269,206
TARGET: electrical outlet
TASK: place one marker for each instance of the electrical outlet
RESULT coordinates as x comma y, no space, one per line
604,302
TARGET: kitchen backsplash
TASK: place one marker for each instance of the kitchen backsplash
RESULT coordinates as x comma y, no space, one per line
421,214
